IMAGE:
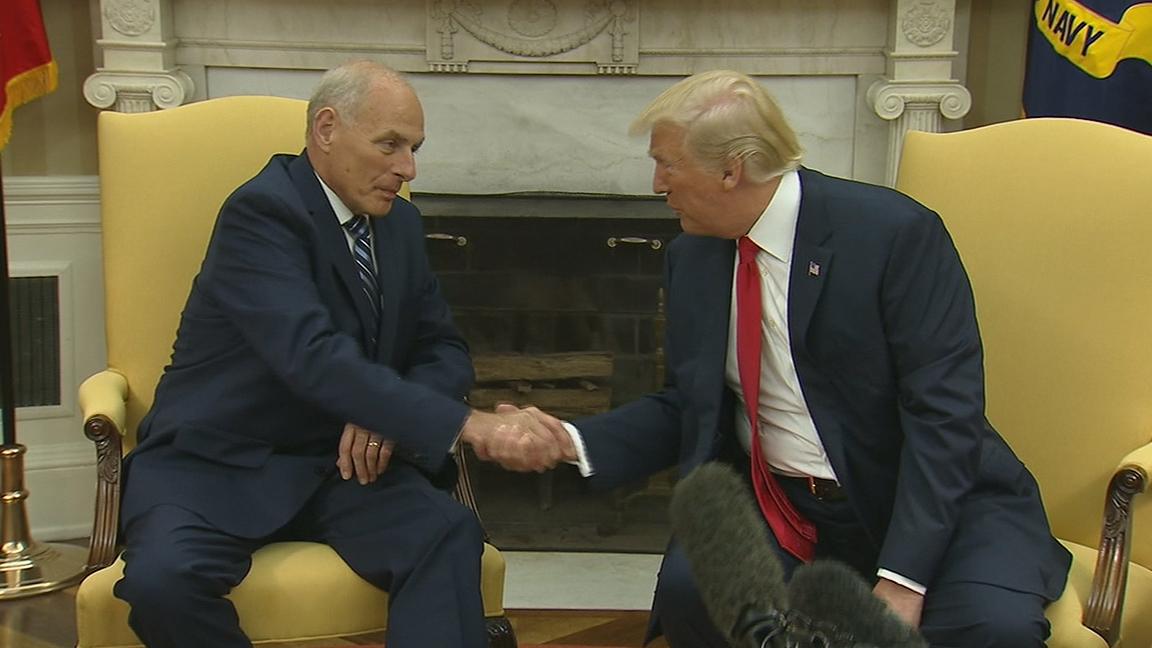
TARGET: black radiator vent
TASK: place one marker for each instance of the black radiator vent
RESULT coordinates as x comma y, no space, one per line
35,308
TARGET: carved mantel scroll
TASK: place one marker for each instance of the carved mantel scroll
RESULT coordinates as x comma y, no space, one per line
138,91
138,43
919,91
533,35
915,105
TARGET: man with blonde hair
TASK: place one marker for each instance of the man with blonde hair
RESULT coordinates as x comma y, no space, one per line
315,393
821,337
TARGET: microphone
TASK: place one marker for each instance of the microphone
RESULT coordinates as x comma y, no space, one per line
731,557
833,606
740,579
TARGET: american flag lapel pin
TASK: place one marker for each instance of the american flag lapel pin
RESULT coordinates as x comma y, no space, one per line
813,269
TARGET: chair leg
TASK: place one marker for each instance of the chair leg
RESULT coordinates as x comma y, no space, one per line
500,634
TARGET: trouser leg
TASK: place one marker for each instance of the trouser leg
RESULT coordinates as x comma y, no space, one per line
415,541
978,615
177,572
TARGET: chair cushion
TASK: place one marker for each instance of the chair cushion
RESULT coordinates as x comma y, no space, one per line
314,593
1065,613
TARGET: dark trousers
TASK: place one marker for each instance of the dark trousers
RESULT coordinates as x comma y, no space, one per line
399,533
955,615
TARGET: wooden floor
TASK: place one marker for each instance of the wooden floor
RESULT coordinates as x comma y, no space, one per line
48,621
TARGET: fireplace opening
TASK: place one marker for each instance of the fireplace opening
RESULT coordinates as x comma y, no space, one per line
560,300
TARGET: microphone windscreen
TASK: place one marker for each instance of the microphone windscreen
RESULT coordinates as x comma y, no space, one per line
836,601
728,548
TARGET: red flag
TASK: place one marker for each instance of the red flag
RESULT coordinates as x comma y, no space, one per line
27,70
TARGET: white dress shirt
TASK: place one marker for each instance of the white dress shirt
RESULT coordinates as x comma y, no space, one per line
343,215
788,438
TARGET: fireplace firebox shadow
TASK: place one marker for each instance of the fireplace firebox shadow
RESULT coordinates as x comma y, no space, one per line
560,301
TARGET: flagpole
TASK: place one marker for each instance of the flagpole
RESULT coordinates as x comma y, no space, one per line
27,567
7,391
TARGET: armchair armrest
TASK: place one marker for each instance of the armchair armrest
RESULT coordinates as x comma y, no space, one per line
1106,600
102,400
105,394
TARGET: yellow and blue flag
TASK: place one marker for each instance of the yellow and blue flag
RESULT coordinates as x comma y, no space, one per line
1091,59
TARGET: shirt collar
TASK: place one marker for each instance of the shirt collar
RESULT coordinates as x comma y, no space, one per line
775,230
343,214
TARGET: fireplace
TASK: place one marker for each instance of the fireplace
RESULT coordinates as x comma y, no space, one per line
560,299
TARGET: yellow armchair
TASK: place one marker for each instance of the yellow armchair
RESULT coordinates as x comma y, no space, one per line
1053,219
163,177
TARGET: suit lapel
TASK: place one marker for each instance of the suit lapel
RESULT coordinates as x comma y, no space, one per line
811,260
332,239
713,305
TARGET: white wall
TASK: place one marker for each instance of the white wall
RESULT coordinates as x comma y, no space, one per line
53,228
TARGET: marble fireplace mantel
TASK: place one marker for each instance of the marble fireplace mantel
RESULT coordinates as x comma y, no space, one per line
536,95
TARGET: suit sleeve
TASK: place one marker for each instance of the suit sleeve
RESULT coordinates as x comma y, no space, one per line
259,274
643,436
930,317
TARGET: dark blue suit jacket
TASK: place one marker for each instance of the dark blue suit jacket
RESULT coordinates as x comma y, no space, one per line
886,346
272,357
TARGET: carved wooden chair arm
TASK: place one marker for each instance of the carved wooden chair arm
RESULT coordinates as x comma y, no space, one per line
102,402
1105,605
463,491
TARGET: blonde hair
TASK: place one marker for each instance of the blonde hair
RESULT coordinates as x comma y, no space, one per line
726,116
345,86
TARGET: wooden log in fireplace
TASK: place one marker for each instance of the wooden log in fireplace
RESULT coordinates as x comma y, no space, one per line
566,385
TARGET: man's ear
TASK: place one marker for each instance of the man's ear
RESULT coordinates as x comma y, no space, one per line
323,127
733,172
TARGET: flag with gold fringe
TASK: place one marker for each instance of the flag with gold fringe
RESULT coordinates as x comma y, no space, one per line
27,69
1091,59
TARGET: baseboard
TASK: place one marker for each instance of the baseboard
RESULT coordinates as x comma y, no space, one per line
60,455
60,480
62,532
587,581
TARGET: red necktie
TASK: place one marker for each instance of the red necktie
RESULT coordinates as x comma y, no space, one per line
795,534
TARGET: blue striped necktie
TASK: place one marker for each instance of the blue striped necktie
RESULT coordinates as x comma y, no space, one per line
362,254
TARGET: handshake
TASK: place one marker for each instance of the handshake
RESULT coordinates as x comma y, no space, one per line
524,440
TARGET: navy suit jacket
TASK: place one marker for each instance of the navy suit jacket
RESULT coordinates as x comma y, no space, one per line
884,338
272,357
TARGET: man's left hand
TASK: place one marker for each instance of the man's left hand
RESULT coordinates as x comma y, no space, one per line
905,603
363,453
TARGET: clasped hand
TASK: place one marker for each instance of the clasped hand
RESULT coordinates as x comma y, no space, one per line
363,453
524,440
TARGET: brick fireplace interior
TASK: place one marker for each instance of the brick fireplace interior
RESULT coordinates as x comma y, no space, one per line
559,297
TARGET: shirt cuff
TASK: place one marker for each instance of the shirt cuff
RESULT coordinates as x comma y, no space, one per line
900,580
582,461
